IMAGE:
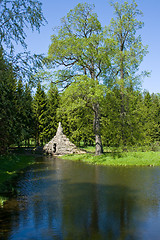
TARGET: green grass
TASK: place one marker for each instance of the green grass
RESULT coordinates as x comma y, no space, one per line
119,159
10,166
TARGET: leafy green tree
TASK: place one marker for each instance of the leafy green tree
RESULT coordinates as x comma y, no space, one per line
15,15
133,133
76,117
81,126
128,50
80,48
40,115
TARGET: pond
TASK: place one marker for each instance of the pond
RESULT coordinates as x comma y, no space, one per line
65,200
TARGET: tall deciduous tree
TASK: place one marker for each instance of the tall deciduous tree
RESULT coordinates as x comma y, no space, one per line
15,15
127,48
80,48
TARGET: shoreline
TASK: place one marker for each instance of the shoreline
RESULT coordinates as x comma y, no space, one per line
125,159
11,166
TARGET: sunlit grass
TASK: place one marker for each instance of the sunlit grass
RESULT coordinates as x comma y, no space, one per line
119,159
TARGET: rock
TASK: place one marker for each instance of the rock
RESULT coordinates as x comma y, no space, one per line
61,145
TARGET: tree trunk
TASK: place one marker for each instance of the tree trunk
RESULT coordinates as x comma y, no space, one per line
96,125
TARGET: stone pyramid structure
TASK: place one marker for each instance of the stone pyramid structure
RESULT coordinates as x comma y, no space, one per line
60,144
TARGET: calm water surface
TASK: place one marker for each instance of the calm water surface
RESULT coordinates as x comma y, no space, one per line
64,200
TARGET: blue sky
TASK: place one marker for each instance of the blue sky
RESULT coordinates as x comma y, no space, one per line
54,10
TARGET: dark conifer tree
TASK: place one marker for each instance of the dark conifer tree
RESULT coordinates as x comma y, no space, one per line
151,127
53,103
20,113
7,104
28,120
40,115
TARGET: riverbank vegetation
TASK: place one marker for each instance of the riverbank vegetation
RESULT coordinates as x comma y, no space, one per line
116,159
11,165
149,159
96,94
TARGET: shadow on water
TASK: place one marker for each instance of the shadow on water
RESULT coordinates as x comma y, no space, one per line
69,201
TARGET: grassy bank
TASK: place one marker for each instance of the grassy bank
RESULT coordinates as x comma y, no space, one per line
119,159
10,165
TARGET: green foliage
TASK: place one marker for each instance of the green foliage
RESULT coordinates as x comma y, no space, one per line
10,166
15,15
40,115
77,104
20,112
88,57
79,46
77,124
28,115
80,49
16,116
84,91
140,123
127,47
129,128
149,159
53,99
151,117
7,104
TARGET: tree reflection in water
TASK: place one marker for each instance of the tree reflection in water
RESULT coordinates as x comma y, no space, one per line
74,201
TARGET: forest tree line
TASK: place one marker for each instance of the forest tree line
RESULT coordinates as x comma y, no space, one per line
95,92
27,116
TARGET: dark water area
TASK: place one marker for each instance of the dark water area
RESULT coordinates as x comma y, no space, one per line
65,200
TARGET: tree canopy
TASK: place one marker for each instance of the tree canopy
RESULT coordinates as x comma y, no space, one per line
127,47
15,16
80,48
97,74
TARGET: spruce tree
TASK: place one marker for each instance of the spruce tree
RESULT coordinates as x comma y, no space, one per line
40,115
28,120
52,106
20,113
151,126
7,104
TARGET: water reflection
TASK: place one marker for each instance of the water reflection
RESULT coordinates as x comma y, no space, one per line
74,201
